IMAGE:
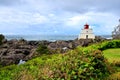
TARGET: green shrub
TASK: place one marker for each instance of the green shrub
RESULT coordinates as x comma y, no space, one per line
1,38
42,49
110,44
76,66
105,45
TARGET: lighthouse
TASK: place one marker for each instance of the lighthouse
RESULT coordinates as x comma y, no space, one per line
86,33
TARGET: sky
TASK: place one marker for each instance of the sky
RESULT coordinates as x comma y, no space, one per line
58,16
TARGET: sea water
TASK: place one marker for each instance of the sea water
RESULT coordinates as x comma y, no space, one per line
46,37
42,37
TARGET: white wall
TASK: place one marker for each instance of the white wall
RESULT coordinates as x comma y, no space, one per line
85,32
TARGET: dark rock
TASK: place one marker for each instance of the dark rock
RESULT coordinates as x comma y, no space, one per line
33,43
14,50
26,52
7,62
3,52
52,46
4,41
12,59
44,42
58,45
5,46
32,53
84,43
99,39
24,47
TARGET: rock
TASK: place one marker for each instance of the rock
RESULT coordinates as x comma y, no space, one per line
58,45
44,42
52,46
33,43
12,51
26,52
32,53
84,43
12,59
5,46
24,47
99,39
22,42
6,62
13,41
4,41
3,52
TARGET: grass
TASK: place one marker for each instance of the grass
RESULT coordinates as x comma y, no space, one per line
113,56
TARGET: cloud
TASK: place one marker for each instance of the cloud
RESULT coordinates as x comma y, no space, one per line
80,6
9,2
83,6
102,23
67,16
20,17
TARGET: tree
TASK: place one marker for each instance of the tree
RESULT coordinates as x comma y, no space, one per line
1,38
116,32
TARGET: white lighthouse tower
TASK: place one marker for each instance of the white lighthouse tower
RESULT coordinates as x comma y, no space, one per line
86,33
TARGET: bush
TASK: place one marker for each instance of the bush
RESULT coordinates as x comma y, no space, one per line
105,45
42,49
1,38
110,44
77,66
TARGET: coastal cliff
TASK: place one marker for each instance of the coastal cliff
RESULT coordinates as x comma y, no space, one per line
12,51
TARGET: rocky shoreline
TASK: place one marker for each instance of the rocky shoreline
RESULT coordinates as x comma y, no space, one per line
12,51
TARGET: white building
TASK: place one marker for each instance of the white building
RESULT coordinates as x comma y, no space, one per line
86,33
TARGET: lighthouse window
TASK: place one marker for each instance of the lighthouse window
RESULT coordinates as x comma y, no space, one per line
87,31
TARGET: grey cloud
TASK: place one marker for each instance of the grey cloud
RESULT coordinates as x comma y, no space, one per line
83,6
79,6
9,2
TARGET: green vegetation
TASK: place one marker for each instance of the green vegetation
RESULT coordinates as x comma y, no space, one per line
80,63
42,49
73,65
1,38
113,56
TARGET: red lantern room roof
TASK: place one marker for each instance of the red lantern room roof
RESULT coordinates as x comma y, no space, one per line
86,26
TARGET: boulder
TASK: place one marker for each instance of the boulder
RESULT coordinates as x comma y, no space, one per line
33,43
3,52
99,39
31,55
12,59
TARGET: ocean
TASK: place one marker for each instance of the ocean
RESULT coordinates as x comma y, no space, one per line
46,37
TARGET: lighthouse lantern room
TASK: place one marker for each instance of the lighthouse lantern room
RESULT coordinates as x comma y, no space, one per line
86,33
